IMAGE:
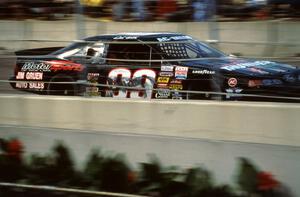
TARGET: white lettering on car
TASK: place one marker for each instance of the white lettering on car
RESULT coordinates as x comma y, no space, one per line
20,75
181,72
36,85
34,75
204,72
245,65
33,66
21,85
144,78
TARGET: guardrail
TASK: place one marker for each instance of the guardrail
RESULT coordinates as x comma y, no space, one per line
185,92
64,190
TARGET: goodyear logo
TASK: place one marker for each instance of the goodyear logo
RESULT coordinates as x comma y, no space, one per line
163,79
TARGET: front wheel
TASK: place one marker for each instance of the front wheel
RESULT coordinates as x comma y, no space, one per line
210,89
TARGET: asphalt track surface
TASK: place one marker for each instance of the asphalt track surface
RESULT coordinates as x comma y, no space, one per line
7,62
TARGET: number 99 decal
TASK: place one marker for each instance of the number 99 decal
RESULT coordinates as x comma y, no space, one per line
143,78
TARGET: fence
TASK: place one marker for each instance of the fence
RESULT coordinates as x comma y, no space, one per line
14,187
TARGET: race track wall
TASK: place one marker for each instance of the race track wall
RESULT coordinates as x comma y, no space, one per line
213,134
268,123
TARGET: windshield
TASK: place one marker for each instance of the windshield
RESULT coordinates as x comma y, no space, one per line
82,49
77,46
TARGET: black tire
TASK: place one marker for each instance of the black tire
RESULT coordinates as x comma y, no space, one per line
215,84
67,89
197,86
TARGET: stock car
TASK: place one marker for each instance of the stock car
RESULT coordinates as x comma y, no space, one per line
150,65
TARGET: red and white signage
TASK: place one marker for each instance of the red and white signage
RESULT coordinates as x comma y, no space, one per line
232,82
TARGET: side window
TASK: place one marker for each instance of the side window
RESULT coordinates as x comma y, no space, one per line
124,53
96,52
93,52
156,53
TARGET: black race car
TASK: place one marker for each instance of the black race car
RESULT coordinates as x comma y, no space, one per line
150,65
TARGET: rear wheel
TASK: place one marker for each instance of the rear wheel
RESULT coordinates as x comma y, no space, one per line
62,85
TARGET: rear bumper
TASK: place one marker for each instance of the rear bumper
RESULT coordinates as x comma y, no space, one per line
12,82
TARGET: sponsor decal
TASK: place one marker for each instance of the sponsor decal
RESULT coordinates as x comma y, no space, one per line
289,78
173,38
30,85
167,68
166,74
232,82
51,66
254,83
93,76
162,85
91,89
232,92
22,85
30,75
163,94
36,66
176,95
163,79
36,85
204,72
268,82
20,75
65,66
125,38
34,75
181,72
175,86
257,70
181,69
245,65
176,81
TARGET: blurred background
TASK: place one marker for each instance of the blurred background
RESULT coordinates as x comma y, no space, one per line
152,10
252,28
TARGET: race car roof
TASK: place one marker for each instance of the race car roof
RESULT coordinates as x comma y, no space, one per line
141,36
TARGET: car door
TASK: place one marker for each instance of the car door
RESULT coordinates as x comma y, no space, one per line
128,72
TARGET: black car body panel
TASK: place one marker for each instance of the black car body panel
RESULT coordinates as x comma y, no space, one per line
150,65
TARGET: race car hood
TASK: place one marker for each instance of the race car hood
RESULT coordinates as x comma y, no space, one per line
246,67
